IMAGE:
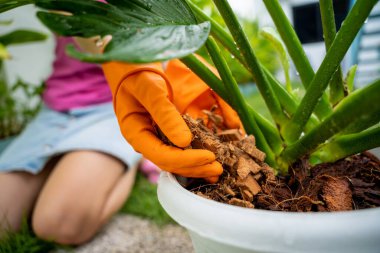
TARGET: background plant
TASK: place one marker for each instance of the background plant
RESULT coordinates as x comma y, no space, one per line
24,241
17,104
324,126
265,51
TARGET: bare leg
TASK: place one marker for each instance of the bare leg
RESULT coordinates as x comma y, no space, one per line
82,192
18,193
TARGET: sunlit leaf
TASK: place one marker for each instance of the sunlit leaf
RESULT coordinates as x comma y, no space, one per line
142,30
4,54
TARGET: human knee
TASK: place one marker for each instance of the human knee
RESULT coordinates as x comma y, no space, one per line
63,225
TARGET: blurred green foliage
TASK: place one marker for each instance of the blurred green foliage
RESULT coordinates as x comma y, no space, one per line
143,202
17,101
25,241
263,48
17,106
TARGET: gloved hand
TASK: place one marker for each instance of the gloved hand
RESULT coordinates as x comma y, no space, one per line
145,93
192,95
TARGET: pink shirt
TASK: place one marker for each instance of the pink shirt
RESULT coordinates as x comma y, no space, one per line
74,84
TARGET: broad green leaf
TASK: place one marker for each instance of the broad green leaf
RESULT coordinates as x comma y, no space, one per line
21,36
6,5
142,30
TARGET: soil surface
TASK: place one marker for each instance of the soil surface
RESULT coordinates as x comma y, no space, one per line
348,184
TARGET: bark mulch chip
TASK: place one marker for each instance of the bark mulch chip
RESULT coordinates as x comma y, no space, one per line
247,181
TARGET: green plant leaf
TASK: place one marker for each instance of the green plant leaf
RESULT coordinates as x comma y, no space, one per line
288,101
350,78
361,106
268,133
254,66
21,36
343,40
296,52
6,5
343,146
4,54
337,91
142,30
5,22
271,35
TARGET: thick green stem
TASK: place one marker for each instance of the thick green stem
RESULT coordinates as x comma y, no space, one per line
271,35
265,133
291,41
241,106
242,43
206,75
337,90
335,54
346,145
271,134
364,123
361,125
296,52
346,114
230,84
287,101
237,98
219,33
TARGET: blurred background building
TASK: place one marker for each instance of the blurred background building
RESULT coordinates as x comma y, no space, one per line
305,17
365,52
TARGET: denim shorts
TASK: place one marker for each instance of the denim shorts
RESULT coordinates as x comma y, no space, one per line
53,133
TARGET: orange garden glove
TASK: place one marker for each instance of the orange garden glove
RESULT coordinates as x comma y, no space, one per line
192,95
144,94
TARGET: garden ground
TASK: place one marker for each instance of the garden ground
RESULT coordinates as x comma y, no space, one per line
131,234
141,226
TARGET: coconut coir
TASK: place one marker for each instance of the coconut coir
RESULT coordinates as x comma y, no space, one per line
247,181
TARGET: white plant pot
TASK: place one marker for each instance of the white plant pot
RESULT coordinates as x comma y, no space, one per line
220,228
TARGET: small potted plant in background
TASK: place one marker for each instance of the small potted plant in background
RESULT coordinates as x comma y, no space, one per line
318,132
19,101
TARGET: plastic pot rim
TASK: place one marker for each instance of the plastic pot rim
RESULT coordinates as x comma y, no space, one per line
261,229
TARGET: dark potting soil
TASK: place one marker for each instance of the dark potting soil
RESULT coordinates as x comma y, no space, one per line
348,184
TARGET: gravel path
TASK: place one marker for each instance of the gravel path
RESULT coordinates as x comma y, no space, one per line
130,234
